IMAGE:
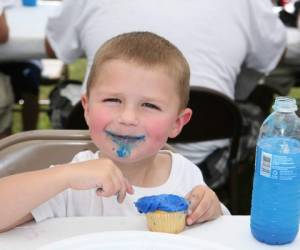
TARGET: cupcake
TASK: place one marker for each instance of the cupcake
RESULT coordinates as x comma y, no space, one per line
164,213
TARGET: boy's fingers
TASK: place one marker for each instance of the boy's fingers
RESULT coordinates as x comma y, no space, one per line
121,194
198,214
115,184
204,205
204,216
126,188
108,187
195,198
129,188
187,196
99,190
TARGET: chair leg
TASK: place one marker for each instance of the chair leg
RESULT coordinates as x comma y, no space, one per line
234,191
30,111
223,194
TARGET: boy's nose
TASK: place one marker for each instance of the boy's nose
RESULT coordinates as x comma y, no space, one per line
128,116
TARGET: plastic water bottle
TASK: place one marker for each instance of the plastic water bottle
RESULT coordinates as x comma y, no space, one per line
276,187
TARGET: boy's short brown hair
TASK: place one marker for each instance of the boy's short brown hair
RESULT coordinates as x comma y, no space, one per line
149,50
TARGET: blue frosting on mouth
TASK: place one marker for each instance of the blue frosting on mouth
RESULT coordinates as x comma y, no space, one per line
125,143
163,202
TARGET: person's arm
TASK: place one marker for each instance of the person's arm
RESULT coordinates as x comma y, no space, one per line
21,193
4,32
50,52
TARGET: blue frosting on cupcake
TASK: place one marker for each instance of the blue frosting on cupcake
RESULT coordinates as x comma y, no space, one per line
163,202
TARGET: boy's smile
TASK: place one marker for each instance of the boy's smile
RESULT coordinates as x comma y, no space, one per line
132,110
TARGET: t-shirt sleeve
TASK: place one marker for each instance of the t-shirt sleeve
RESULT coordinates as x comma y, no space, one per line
55,207
267,37
62,31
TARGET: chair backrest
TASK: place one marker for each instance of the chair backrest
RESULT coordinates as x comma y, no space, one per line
215,116
39,149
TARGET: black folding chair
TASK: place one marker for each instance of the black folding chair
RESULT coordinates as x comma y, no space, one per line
215,116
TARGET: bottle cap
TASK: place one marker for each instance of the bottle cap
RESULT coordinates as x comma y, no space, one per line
285,104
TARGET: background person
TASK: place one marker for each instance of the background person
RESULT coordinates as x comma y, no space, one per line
25,78
6,93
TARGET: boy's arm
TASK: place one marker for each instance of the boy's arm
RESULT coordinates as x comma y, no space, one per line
23,220
49,50
20,193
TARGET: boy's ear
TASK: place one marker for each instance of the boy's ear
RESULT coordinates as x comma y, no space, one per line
85,105
182,119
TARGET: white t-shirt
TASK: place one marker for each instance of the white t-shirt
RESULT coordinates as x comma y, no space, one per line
216,36
183,177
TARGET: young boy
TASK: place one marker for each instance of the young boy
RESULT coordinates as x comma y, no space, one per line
136,99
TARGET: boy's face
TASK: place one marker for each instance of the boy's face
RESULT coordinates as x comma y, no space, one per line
132,110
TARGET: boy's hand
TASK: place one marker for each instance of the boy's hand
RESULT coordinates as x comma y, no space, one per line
101,174
204,205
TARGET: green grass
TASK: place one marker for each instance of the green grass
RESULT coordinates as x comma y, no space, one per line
77,69
295,92
76,72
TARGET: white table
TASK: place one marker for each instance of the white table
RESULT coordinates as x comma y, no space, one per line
231,231
27,31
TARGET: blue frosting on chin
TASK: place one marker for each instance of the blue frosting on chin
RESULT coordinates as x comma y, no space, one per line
125,143
163,202
123,150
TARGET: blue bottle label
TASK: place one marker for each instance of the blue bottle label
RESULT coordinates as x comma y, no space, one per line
278,164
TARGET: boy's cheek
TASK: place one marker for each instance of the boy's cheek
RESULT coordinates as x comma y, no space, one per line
157,136
99,119
159,128
97,127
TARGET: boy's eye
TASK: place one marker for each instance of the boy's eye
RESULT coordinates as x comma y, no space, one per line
112,100
151,106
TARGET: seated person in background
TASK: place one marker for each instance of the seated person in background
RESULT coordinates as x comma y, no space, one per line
6,94
25,77
217,37
130,127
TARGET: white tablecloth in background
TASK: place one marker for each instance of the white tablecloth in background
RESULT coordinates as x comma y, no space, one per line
231,231
27,31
